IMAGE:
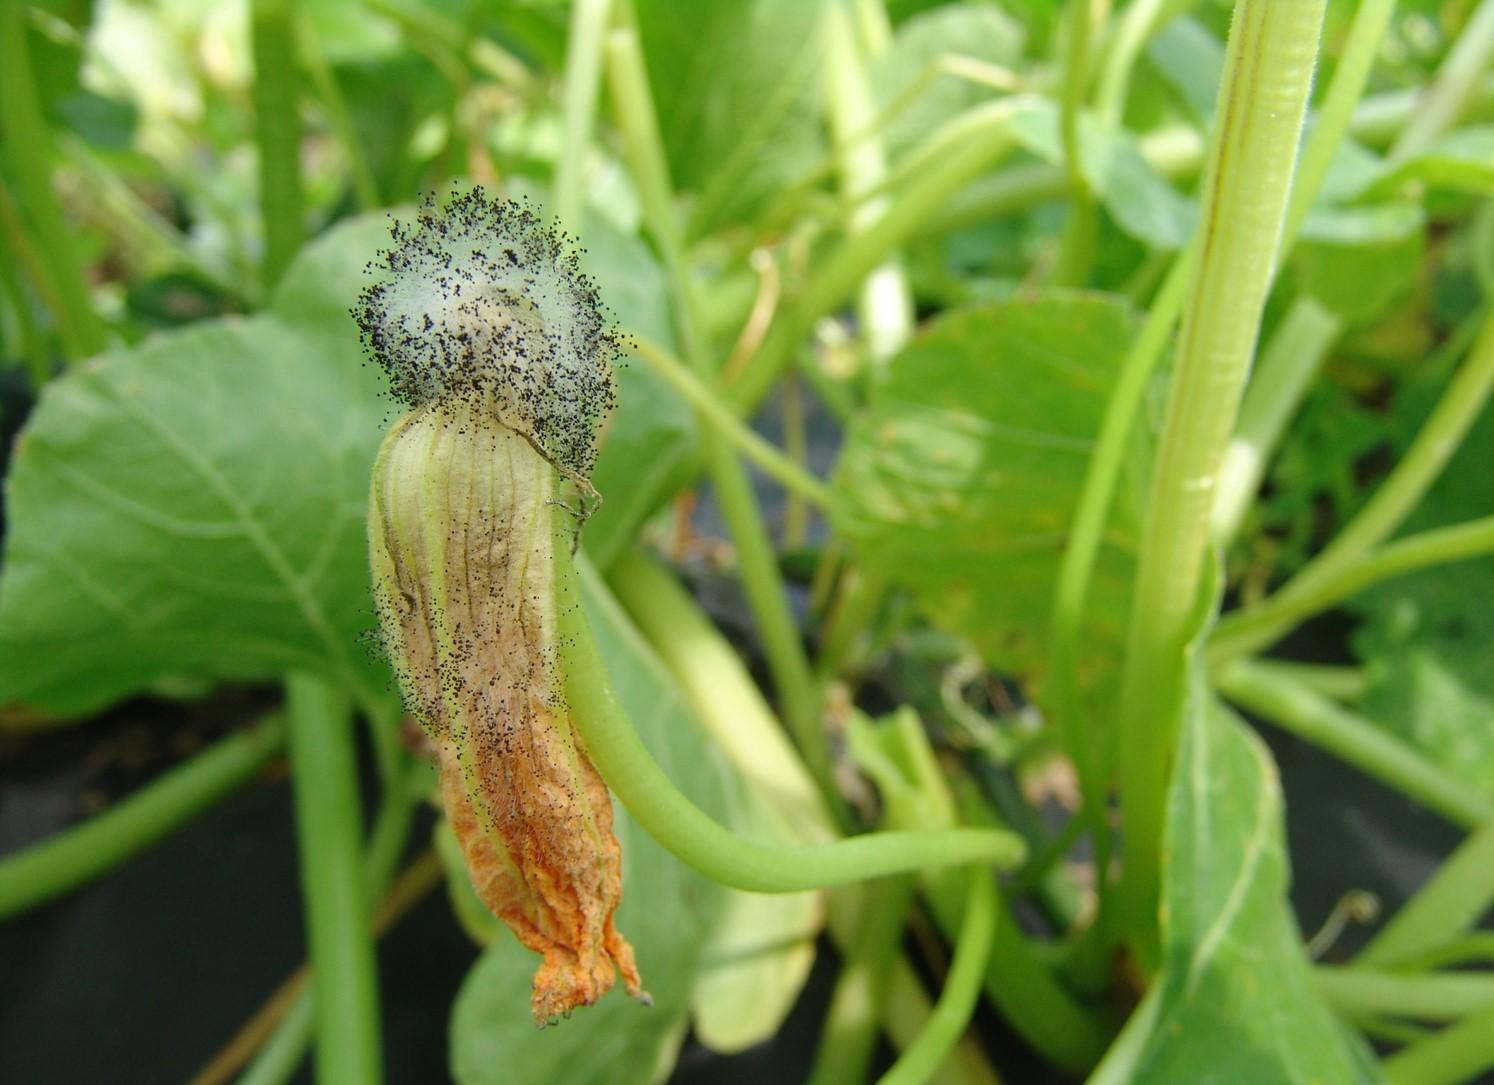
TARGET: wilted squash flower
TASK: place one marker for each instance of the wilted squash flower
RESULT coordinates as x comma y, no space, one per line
496,341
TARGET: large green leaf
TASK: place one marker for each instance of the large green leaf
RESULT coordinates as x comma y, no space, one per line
960,479
737,85
1141,200
666,913
196,504
1235,1000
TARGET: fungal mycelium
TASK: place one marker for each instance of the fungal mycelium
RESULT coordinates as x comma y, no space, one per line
496,342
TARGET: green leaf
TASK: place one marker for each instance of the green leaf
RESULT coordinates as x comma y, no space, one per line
667,912
1141,201
196,504
907,78
1191,59
1234,989
1358,261
960,479
737,85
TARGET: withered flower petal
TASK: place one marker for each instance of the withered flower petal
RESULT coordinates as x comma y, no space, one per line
463,562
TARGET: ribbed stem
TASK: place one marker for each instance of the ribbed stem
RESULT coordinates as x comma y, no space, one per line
325,774
1263,97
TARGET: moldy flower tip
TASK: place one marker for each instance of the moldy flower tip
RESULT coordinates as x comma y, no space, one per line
495,340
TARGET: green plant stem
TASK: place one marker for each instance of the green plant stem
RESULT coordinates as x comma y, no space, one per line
1136,24
758,566
1459,1053
1080,227
1338,682
33,344
885,302
1453,87
955,155
1355,991
859,1003
291,1009
1287,366
695,837
31,155
714,413
1255,627
1091,755
277,126
583,73
1450,902
325,777
74,856
1263,97
857,601
961,988
1400,493
1475,948
1376,752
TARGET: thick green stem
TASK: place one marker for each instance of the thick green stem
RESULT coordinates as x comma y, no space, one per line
1263,97
325,777
583,73
280,1055
31,154
695,837
1452,901
1256,627
849,1036
1453,87
277,125
68,860
1287,365
1274,695
1459,1053
961,988
1367,992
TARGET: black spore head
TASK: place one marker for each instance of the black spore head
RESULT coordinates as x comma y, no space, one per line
480,299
